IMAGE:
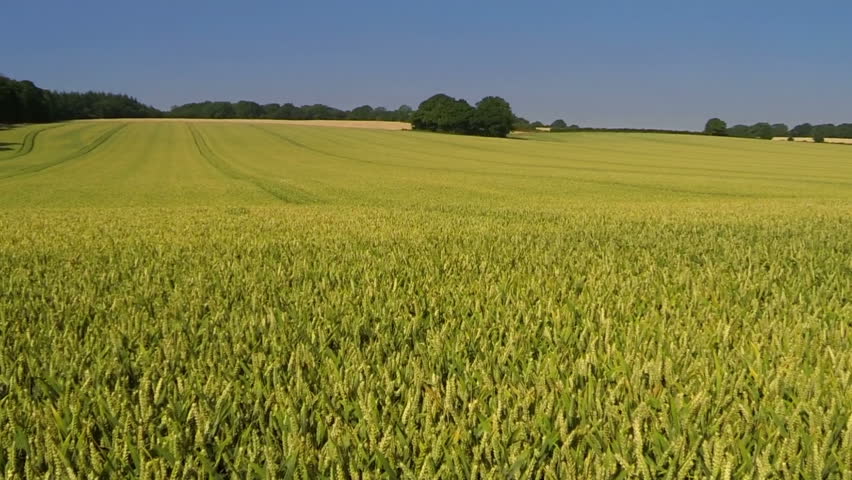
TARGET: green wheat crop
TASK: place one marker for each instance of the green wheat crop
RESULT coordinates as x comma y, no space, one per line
212,300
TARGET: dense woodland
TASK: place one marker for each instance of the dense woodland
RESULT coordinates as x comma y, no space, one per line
24,102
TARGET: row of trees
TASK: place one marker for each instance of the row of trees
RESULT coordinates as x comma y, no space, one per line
287,111
768,131
24,102
491,117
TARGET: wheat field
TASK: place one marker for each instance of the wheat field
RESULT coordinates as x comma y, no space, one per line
262,300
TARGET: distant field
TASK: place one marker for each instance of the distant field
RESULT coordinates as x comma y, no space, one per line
810,140
267,300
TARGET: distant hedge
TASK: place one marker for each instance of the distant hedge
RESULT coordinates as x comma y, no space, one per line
287,111
768,131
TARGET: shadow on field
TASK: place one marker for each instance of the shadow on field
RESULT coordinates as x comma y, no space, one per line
7,146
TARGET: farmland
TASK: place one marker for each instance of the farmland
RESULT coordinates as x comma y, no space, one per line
185,299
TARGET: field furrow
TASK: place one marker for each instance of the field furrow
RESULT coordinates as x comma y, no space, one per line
30,169
28,142
289,195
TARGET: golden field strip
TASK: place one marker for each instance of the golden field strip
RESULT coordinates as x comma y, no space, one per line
847,141
185,299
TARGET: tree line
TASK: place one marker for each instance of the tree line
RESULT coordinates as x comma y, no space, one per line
492,116
23,102
765,130
287,111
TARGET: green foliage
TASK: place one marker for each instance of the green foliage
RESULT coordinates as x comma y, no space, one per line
364,112
558,124
522,124
576,128
824,131
288,111
214,300
24,102
780,130
404,113
270,109
761,130
844,130
803,130
493,117
443,113
716,126
739,130
247,109
426,115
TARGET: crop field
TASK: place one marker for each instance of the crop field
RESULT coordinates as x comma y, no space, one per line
257,300
846,141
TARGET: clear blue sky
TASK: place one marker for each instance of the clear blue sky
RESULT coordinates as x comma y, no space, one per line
612,63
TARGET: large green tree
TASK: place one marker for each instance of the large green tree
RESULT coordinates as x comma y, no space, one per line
716,126
364,112
493,117
403,113
803,130
739,130
247,109
761,130
780,130
844,130
826,130
287,111
270,109
443,113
